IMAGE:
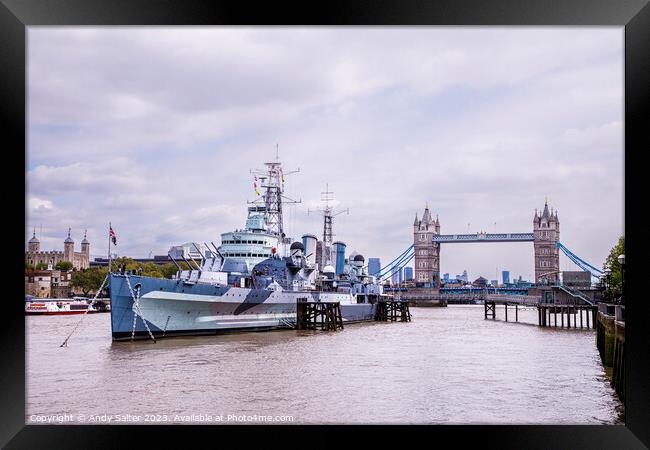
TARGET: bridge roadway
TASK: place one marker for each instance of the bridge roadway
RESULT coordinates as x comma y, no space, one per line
484,237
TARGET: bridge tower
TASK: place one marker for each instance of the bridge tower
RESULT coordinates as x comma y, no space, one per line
546,234
427,252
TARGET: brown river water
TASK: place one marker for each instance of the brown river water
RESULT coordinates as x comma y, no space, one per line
447,366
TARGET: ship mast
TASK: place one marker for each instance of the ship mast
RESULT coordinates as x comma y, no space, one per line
328,215
272,181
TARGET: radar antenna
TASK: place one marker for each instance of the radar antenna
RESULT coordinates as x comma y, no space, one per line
272,181
328,215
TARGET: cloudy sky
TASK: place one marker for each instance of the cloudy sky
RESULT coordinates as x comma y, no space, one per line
156,129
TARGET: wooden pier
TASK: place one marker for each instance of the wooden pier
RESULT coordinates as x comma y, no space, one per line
319,316
577,316
571,315
393,311
491,309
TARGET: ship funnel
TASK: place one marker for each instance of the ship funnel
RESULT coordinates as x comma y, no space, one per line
339,251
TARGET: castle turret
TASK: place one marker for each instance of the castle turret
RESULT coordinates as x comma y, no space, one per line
426,219
546,232
34,244
68,248
85,245
427,252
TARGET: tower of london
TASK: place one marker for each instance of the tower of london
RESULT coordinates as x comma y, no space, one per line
79,260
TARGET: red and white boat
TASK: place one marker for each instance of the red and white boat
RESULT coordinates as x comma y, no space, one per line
51,306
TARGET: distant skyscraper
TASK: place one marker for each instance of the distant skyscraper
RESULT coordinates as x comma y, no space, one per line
505,275
408,273
464,277
396,277
374,266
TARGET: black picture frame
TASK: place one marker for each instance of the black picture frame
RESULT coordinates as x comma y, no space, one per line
16,15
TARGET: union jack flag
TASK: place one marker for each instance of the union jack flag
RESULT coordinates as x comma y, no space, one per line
112,235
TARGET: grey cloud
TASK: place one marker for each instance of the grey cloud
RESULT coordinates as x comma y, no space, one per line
156,130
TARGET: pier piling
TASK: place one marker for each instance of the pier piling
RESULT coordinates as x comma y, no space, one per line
319,316
490,308
393,311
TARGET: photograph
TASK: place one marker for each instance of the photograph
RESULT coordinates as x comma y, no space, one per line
288,225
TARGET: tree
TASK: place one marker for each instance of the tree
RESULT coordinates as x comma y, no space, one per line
88,279
123,260
169,269
29,266
64,266
615,279
41,266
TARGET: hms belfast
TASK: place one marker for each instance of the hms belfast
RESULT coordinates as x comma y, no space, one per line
251,282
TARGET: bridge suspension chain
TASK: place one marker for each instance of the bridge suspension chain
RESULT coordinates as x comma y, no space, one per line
584,265
400,266
394,262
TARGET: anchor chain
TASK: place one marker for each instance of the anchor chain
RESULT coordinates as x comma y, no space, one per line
65,342
136,304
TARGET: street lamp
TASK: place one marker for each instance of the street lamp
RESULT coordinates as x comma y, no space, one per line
621,260
607,272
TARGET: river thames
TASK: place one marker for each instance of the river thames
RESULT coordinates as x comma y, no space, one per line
447,366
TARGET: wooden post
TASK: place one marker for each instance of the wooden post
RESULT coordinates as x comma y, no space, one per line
516,313
506,305
562,315
555,315
568,317
580,310
587,316
594,314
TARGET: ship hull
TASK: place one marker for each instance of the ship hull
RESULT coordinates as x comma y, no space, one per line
175,308
57,313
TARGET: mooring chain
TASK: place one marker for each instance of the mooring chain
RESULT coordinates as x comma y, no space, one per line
65,343
136,304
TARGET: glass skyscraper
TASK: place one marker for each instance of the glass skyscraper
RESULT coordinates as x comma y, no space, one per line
396,276
374,266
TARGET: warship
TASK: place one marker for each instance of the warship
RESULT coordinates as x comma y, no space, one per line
252,281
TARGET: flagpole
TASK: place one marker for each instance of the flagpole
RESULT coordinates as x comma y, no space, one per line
109,247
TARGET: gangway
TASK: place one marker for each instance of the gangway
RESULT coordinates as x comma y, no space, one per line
575,293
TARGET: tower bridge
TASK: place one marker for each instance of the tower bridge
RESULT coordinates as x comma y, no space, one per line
427,240
545,237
